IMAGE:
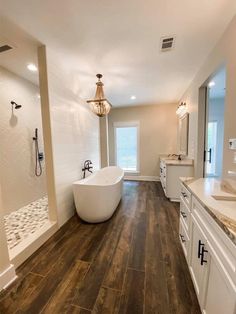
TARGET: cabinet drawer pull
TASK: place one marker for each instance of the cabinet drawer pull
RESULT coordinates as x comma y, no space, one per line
183,214
200,244
202,255
182,238
184,194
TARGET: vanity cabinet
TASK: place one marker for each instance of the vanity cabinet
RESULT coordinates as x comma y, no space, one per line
219,296
170,172
211,257
197,260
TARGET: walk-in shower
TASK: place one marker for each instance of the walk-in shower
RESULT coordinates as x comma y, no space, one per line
24,200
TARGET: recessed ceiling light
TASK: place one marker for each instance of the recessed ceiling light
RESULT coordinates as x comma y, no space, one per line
32,67
211,84
133,97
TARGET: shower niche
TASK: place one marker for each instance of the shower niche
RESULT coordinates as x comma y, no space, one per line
23,179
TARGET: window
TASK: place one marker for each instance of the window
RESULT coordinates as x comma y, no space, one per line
127,146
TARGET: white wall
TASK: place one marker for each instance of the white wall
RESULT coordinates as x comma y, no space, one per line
158,133
20,186
75,135
223,54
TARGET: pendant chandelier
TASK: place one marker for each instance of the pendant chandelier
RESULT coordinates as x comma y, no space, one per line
99,105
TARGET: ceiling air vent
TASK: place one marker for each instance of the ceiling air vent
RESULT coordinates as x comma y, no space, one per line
167,43
5,48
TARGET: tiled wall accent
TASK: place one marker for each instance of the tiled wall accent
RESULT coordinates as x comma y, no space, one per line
75,135
17,157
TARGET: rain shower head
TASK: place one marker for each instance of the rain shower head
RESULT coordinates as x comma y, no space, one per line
16,105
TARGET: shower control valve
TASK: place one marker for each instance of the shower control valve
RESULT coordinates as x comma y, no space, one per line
41,156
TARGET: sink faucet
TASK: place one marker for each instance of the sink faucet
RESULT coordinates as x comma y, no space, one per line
179,157
87,166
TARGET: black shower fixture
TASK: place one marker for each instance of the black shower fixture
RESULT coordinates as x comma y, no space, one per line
38,155
15,104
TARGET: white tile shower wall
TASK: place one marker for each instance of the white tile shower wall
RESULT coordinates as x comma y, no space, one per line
20,186
75,135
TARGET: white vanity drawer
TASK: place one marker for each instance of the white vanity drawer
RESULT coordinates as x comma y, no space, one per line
221,244
185,214
184,238
186,196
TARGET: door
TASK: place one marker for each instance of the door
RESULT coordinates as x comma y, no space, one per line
220,295
214,125
198,259
211,149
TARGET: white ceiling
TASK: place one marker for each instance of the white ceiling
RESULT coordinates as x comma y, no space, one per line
121,39
24,50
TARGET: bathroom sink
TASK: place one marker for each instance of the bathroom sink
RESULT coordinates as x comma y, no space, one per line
224,198
228,186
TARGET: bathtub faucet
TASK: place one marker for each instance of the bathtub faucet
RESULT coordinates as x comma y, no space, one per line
87,166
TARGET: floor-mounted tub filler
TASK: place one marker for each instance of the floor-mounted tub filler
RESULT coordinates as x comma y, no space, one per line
97,196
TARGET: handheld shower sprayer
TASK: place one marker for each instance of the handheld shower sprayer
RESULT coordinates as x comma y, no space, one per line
35,138
38,156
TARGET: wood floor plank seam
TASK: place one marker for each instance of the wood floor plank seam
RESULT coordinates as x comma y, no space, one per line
126,268
114,229
145,277
48,243
118,290
115,252
58,287
136,269
127,263
82,308
105,275
30,272
125,275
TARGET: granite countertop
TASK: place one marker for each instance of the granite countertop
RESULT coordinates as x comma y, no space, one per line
222,211
175,162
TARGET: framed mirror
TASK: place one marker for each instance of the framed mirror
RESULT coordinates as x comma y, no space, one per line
183,134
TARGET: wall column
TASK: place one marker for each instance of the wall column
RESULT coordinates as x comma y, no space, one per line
104,146
7,270
47,132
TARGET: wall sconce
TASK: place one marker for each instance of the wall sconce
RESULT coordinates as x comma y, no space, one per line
182,109
99,105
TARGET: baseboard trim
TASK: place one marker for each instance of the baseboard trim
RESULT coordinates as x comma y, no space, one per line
142,178
7,277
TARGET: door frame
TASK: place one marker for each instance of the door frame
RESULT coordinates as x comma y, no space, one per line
201,133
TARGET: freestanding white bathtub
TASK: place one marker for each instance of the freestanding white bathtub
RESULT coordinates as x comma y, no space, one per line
97,196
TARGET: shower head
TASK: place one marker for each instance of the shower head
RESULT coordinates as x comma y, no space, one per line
16,105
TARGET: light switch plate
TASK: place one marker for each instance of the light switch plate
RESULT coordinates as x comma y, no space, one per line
232,143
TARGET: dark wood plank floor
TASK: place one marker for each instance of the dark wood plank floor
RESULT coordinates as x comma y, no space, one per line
131,264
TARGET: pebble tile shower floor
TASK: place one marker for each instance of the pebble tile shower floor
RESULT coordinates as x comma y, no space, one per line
25,221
